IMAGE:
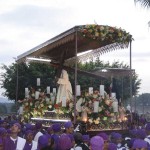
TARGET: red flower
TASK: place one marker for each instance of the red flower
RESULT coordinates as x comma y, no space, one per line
56,106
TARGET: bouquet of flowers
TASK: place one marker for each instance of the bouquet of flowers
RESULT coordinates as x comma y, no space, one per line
98,108
105,33
36,103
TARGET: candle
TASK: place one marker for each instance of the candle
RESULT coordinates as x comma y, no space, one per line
37,93
53,99
78,90
84,116
90,90
113,95
48,89
26,92
115,106
54,90
38,81
96,106
63,101
20,110
102,90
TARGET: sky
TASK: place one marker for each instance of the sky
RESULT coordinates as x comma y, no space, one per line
25,24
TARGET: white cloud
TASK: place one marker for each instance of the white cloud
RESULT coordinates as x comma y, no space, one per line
28,23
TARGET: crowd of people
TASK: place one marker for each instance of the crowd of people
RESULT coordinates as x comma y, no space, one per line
15,135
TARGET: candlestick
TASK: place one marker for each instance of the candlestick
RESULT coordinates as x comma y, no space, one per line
38,81
90,90
48,89
96,106
102,90
78,90
64,101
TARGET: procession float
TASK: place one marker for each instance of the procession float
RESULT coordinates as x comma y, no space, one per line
94,108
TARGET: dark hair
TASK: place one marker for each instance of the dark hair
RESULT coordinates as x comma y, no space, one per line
78,137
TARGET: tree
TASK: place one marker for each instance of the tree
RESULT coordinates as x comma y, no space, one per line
144,3
121,85
27,75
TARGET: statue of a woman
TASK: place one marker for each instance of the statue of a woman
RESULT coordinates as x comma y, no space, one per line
122,111
65,89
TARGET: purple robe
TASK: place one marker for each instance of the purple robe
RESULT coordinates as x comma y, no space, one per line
30,146
10,144
56,138
27,146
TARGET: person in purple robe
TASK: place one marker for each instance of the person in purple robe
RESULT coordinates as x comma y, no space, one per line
96,143
69,130
1,144
112,146
4,124
14,142
79,144
105,138
30,143
64,142
118,140
141,134
140,144
38,130
3,132
86,139
49,132
56,135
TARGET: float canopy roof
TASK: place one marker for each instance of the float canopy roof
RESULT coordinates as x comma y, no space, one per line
81,38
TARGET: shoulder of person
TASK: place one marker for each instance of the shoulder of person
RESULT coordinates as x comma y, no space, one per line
82,146
78,148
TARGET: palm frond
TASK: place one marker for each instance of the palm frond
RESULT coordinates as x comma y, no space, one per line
143,3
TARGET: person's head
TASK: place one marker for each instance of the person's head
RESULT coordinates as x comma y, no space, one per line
43,141
86,138
15,128
50,130
78,137
117,138
38,125
4,124
69,127
29,136
3,132
64,142
105,138
147,128
56,127
28,126
133,133
141,133
96,143
139,144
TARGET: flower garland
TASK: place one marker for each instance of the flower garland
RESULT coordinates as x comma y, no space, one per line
105,33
